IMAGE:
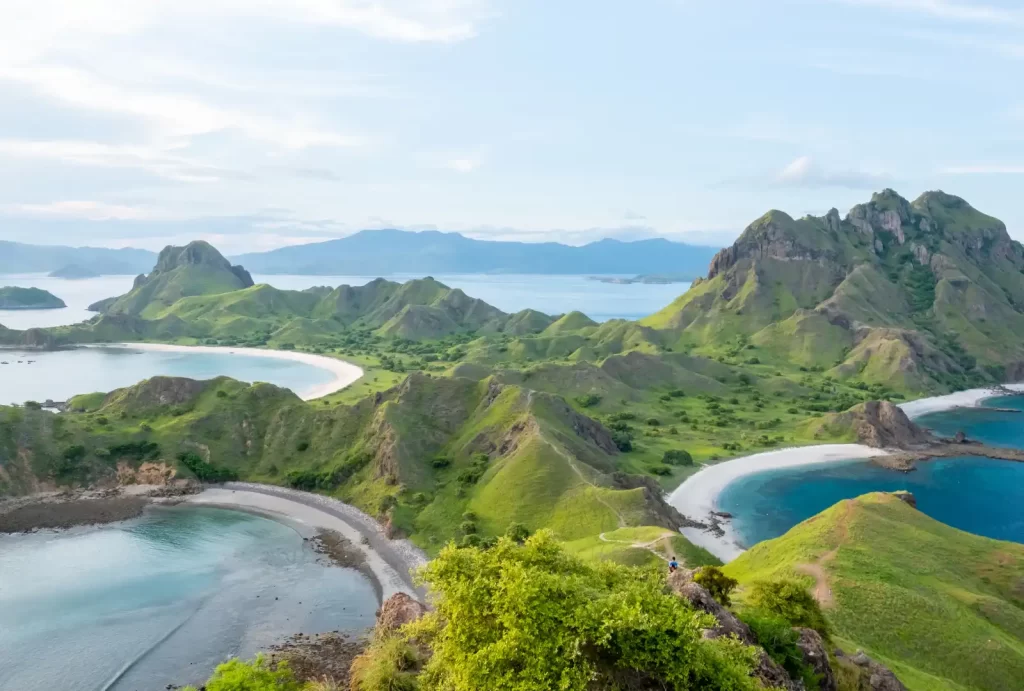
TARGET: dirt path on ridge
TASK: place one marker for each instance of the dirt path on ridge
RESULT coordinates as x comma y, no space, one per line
822,591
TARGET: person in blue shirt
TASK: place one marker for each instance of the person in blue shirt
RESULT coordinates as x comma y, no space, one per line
673,565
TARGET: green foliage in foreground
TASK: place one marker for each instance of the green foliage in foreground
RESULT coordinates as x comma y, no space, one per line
779,639
532,618
790,601
258,675
944,609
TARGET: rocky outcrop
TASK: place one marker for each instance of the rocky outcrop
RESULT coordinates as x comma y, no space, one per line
397,611
815,655
882,424
906,497
770,673
873,675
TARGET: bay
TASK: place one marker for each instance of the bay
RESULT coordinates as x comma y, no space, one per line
60,374
162,599
980,495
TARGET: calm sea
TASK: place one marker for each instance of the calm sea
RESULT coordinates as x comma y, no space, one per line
60,374
162,599
510,293
979,495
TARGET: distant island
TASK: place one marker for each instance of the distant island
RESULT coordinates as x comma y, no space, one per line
649,279
73,272
390,252
13,298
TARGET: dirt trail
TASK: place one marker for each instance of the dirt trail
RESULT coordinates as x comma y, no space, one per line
649,546
822,591
597,495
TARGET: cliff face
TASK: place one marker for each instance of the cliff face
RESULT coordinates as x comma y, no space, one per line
883,425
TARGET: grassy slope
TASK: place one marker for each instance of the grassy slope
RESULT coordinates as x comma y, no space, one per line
944,606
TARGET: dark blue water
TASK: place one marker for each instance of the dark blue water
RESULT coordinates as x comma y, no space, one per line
980,495
162,599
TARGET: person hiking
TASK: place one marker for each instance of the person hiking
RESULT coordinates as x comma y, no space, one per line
673,565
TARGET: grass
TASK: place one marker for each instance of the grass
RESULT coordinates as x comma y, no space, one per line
941,603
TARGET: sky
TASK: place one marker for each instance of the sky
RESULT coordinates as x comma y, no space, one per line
261,123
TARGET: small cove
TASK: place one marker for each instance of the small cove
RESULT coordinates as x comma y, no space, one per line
60,374
979,495
162,599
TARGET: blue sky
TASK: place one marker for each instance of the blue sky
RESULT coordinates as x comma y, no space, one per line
259,123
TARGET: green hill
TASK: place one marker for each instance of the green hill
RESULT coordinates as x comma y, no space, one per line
916,294
13,298
180,272
944,608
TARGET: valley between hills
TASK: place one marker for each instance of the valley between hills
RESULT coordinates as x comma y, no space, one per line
473,428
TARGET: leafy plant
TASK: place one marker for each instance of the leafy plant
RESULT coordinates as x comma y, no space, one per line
258,675
789,600
715,582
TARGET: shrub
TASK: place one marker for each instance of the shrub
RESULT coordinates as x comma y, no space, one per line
660,469
587,400
302,446
779,640
468,527
623,440
652,421
33,405
490,604
205,472
221,393
517,532
791,601
440,462
715,582
258,675
677,457
385,666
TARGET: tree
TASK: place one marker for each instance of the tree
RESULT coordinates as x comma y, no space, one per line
715,582
677,457
791,601
531,617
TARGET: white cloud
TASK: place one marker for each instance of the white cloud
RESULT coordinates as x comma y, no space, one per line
946,9
462,164
86,210
984,169
160,162
806,172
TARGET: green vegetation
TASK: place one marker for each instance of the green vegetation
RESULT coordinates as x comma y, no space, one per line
12,298
597,623
715,582
942,607
258,675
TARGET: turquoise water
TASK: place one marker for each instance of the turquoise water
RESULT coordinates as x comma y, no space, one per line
58,375
162,599
979,495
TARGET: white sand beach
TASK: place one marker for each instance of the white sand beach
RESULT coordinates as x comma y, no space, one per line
697,497
389,561
961,399
345,373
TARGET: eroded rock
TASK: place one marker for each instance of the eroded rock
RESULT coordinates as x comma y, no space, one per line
815,655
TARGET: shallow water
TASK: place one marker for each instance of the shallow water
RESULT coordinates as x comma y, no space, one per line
162,599
979,495
58,375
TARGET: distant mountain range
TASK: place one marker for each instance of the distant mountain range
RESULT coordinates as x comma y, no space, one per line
18,258
387,252
382,252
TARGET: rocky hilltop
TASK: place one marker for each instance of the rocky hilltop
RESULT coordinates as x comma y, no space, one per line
928,294
195,269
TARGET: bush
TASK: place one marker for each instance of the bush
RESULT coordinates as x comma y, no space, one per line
440,462
33,405
623,440
779,640
652,421
490,604
205,472
660,469
677,457
302,446
468,528
715,582
791,601
258,675
587,400
385,666
517,532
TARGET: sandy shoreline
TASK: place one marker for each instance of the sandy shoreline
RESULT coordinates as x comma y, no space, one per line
698,496
388,561
970,398
345,373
